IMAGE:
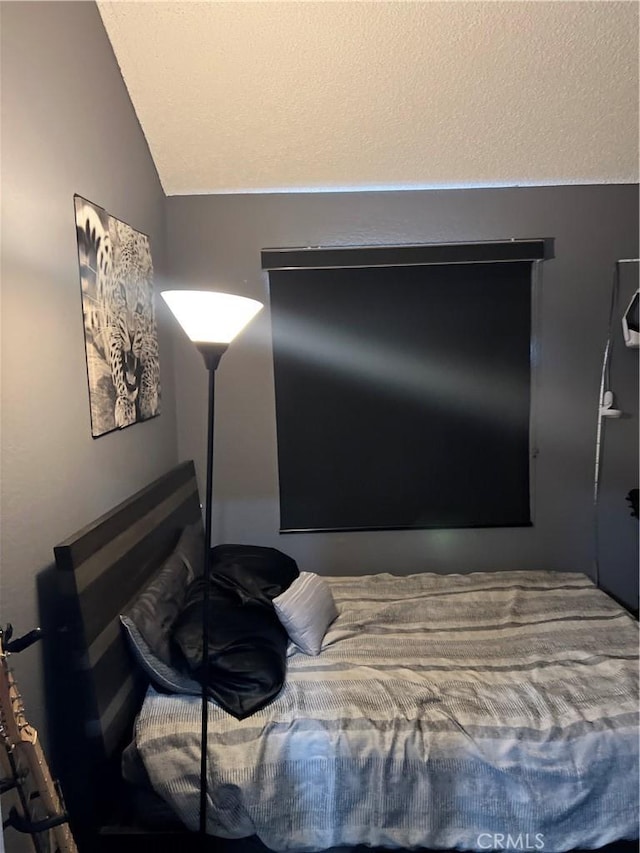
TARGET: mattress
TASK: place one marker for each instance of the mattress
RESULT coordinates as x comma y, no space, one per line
443,711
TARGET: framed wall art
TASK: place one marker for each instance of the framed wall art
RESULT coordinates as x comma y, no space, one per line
121,339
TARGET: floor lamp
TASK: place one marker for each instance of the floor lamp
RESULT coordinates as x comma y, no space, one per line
212,320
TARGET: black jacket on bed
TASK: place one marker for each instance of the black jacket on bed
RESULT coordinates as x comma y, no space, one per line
246,659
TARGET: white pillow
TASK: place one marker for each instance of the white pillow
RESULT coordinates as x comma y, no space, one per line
306,609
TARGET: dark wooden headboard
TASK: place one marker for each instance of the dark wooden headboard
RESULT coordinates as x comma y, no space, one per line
100,570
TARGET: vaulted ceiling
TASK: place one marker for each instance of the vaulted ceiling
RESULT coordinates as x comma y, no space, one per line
293,96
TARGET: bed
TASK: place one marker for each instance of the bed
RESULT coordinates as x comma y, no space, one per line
442,712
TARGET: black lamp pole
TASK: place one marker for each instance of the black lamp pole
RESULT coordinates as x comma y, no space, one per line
212,353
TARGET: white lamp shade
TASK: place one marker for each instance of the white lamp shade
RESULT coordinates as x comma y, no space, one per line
211,317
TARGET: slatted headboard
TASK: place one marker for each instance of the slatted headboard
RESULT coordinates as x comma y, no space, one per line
100,570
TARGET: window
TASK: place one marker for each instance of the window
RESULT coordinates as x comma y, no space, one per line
402,391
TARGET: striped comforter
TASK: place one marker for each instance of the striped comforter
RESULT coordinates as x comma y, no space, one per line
443,711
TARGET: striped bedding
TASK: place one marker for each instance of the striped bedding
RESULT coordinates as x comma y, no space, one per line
443,711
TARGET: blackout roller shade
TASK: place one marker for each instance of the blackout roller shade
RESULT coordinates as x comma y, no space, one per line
402,395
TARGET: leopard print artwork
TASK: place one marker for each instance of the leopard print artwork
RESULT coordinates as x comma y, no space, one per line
120,331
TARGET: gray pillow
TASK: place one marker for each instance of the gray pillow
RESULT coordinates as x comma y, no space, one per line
306,609
148,621
160,674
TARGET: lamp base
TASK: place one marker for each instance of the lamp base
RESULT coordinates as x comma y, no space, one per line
212,353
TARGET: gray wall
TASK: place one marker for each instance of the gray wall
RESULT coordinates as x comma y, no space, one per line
67,126
216,240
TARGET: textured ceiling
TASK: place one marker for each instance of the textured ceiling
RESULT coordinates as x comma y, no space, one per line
286,96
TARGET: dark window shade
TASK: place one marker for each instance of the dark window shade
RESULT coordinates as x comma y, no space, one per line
402,396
